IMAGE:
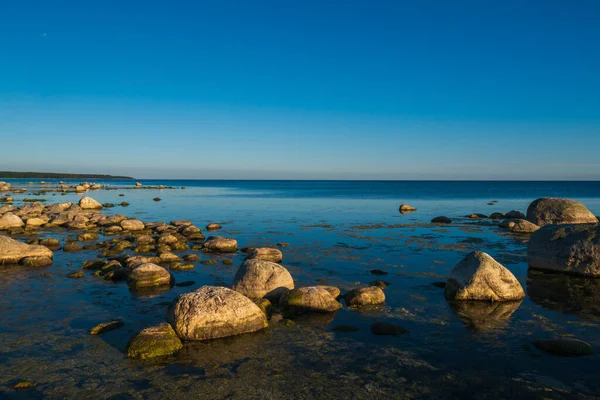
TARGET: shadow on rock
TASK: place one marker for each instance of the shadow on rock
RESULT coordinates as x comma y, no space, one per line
482,316
565,293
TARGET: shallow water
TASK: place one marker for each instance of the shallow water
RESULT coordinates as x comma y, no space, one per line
338,232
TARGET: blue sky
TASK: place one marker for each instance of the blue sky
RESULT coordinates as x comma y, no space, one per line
302,89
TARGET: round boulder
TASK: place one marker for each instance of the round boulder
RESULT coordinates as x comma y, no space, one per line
258,278
308,299
524,226
572,249
10,220
441,220
266,254
15,252
159,340
132,225
405,208
548,210
514,214
371,295
479,277
212,312
220,244
87,203
149,275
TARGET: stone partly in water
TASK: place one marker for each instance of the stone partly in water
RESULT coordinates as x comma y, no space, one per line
106,327
571,249
308,299
371,295
220,244
382,328
156,341
479,277
564,347
514,214
266,254
507,223
441,220
149,275
87,203
333,291
132,225
258,278
10,220
15,252
546,211
213,227
523,226
405,208
212,312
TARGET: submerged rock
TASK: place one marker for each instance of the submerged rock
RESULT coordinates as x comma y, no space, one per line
572,249
266,254
371,295
308,299
564,347
382,328
15,252
156,341
547,210
148,275
479,277
212,312
258,278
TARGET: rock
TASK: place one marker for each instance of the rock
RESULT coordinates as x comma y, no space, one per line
13,251
76,275
564,347
209,262
514,214
10,220
51,243
23,385
333,291
106,327
378,272
507,223
85,237
177,266
383,284
36,261
212,312
132,225
72,247
265,306
497,215
227,261
156,199
371,295
258,278
191,257
35,222
156,341
124,204
308,299
441,220
167,257
266,254
381,328
134,261
87,203
546,211
213,227
220,244
148,275
477,216
405,208
479,277
524,226
571,249
283,244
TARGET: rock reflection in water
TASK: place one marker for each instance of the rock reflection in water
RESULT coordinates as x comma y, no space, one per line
150,292
564,293
481,316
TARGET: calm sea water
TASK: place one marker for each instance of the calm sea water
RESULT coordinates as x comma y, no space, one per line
338,232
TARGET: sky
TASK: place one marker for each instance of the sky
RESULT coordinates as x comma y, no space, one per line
302,89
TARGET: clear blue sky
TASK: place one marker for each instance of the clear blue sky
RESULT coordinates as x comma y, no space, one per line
302,89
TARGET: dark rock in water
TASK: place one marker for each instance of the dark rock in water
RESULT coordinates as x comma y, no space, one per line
547,211
227,261
441,220
247,250
156,341
481,316
380,284
497,215
124,204
191,257
565,293
440,285
378,272
477,216
564,347
382,328
283,244
265,306
514,214
78,274
571,249
156,199
106,327
345,328
72,247
186,283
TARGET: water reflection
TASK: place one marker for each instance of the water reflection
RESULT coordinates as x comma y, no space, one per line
567,294
481,316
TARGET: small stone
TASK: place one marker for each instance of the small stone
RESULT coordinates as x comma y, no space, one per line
106,327
380,284
191,257
441,220
371,295
76,275
283,244
378,272
213,227
72,247
209,262
23,385
156,341
227,261
405,208
156,199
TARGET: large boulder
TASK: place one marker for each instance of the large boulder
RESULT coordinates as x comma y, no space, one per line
10,220
572,249
212,312
159,340
371,295
87,203
547,210
149,275
220,244
258,278
308,299
267,254
15,252
479,277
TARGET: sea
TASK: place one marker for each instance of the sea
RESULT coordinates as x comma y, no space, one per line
334,233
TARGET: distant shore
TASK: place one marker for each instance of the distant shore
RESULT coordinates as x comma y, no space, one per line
57,175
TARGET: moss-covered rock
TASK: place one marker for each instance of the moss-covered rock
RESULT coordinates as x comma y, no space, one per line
156,341
106,327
